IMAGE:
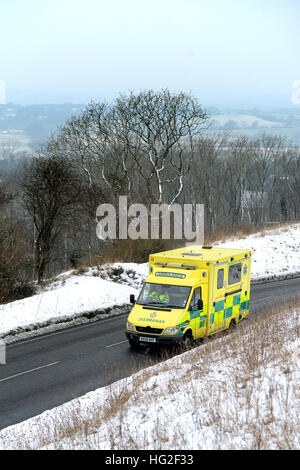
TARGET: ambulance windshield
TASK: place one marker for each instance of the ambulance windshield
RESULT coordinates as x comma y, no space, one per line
164,295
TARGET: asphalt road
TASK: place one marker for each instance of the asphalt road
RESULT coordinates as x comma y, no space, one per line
46,371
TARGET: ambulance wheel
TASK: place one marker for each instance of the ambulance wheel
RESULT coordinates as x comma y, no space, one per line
188,340
134,345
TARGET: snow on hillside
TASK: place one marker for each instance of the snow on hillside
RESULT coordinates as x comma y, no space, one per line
275,253
71,297
129,274
239,391
99,290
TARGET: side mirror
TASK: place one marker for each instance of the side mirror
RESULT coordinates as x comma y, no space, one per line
132,299
200,304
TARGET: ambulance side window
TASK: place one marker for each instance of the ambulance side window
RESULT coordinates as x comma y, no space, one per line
235,273
220,282
196,296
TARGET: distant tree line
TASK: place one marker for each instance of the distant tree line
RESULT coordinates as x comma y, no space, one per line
152,147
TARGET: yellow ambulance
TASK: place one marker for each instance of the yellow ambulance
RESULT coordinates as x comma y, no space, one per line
190,293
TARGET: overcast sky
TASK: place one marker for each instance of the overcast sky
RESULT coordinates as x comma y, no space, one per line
235,52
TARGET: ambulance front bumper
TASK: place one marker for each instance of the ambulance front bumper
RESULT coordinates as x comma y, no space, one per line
141,338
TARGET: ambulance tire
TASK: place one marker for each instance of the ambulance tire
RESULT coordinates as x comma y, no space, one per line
134,345
188,340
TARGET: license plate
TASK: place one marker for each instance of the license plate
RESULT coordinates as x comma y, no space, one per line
148,340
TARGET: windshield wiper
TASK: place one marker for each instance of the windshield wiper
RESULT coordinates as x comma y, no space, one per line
174,306
162,304
155,303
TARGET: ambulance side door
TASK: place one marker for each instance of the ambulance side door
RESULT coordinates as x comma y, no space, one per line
217,318
198,318
234,290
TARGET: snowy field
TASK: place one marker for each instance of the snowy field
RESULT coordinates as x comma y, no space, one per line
245,120
240,391
98,292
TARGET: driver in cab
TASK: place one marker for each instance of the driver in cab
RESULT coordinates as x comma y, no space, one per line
158,295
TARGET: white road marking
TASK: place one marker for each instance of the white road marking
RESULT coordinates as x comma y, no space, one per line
116,344
262,299
28,371
62,331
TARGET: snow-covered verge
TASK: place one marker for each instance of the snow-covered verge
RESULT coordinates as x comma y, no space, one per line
275,253
70,300
90,294
238,391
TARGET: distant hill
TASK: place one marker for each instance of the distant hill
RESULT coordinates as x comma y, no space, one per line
24,128
33,124
253,123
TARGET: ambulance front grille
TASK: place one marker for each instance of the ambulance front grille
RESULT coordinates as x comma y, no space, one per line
148,329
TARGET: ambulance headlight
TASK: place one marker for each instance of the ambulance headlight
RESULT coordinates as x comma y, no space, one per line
130,326
172,331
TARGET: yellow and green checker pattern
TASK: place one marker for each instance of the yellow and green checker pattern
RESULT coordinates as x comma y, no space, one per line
231,306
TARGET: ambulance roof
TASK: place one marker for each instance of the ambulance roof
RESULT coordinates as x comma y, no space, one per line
197,254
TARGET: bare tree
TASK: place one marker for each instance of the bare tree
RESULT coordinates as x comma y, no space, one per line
50,190
207,176
14,245
239,154
267,150
157,130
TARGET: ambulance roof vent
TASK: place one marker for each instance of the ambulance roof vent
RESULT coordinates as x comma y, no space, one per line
176,265
207,247
191,254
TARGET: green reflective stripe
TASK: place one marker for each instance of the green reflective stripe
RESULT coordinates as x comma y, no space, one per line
219,306
245,305
195,314
183,323
212,318
228,312
237,299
